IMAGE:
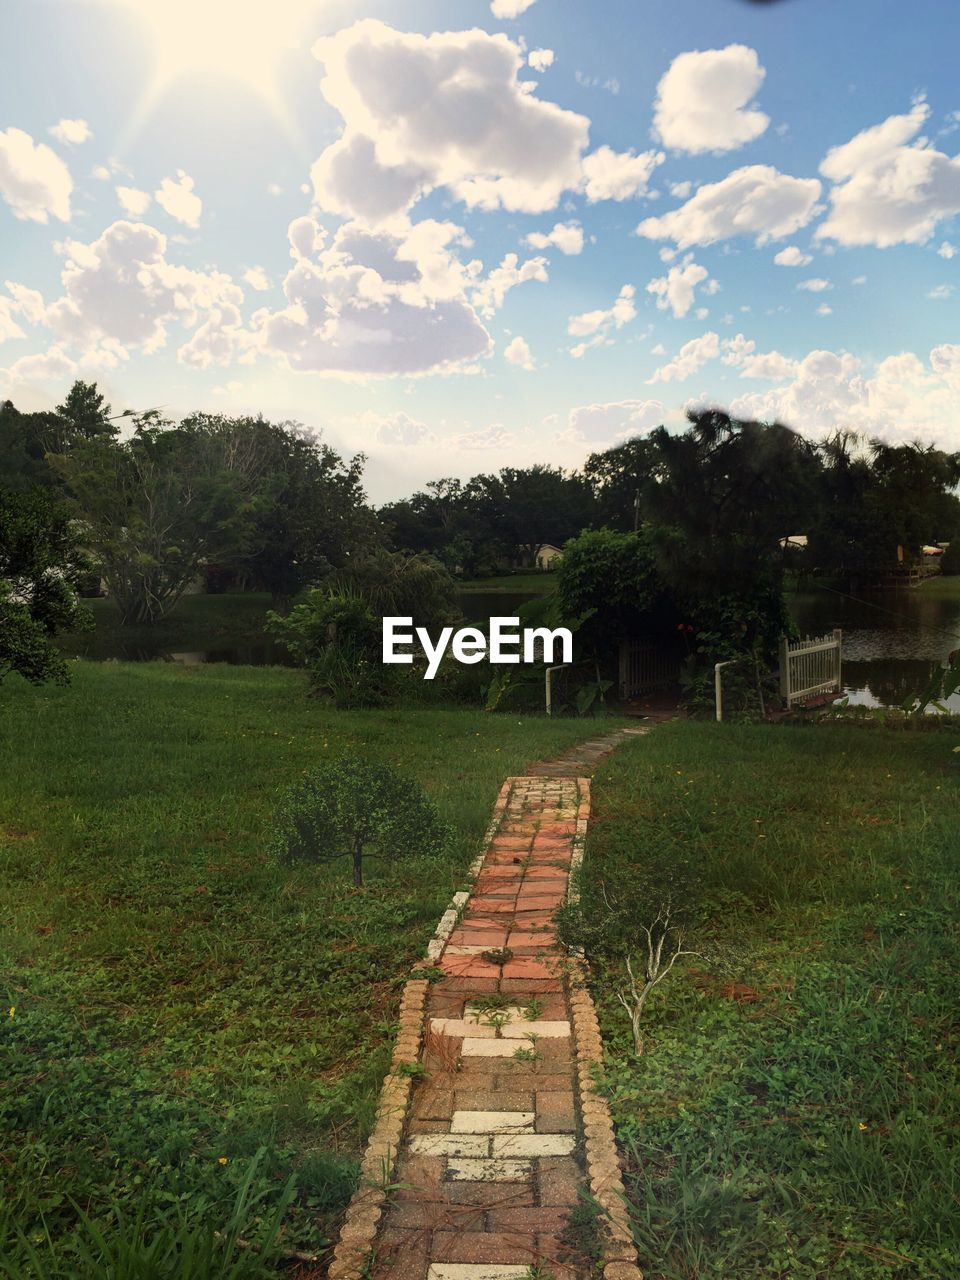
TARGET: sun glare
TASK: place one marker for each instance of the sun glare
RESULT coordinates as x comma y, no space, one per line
240,40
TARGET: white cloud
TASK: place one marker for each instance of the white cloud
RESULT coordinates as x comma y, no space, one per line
133,201
941,291
688,359
8,326
496,437
177,198
677,288
72,132
399,429
34,181
702,100
757,201
824,309
489,294
680,190
770,366
518,352
510,8
122,288
540,59
815,285
947,250
565,236
792,257
52,365
27,302
903,399
446,110
888,190
618,175
376,302
608,423
597,325
257,279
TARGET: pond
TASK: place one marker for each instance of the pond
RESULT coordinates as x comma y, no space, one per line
892,640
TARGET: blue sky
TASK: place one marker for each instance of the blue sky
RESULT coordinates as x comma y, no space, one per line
457,236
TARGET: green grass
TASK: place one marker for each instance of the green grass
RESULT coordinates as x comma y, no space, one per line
942,587
537,583
185,1009
796,1110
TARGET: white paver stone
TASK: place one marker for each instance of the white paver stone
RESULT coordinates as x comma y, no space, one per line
477,1270
475,1047
510,1146
448,1144
549,1030
492,1121
461,1027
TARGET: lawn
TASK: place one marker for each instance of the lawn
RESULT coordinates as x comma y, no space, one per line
535,582
197,622
185,1016
795,1113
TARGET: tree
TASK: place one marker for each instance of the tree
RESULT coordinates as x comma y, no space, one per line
358,809
530,507
155,508
40,563
619,477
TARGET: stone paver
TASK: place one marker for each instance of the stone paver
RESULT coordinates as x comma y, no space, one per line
492,1157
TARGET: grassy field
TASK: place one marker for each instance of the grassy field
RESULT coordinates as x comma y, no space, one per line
795,1113
538,583
189,1024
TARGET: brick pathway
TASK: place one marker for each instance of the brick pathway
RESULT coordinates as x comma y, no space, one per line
492,1154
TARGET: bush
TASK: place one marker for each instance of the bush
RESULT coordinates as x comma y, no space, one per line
355,808
950,560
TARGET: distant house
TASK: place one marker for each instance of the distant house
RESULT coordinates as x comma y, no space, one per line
548,556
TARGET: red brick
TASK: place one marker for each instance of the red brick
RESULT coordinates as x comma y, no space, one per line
560,1182
556,1112
401,1255
483,1246
541,1219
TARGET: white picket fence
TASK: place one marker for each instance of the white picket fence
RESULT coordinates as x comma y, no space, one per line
809,667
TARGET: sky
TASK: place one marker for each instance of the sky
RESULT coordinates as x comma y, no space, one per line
457,235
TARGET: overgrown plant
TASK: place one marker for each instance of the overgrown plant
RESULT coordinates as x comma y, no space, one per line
358,809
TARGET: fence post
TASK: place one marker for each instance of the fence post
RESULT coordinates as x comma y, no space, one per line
785,669
838,636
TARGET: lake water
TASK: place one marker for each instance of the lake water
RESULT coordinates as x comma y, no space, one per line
892,640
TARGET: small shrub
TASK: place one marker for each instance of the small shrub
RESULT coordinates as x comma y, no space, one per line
359,809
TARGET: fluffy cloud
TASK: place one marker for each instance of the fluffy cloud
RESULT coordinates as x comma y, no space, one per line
27,302
792,257
595,326
177,198
377,302
446,110
903,399
8,326
510,8
889,190
488,296
72,132
815,285
677,288
770,366
133,201
518,353
565,236
688,359
34,181
121,287
617,420
618,175
52,365
400,430
947,250
257,279
756,201
540,59
702,100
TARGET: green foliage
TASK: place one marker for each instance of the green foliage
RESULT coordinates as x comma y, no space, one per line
357,808
40,567
950,560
